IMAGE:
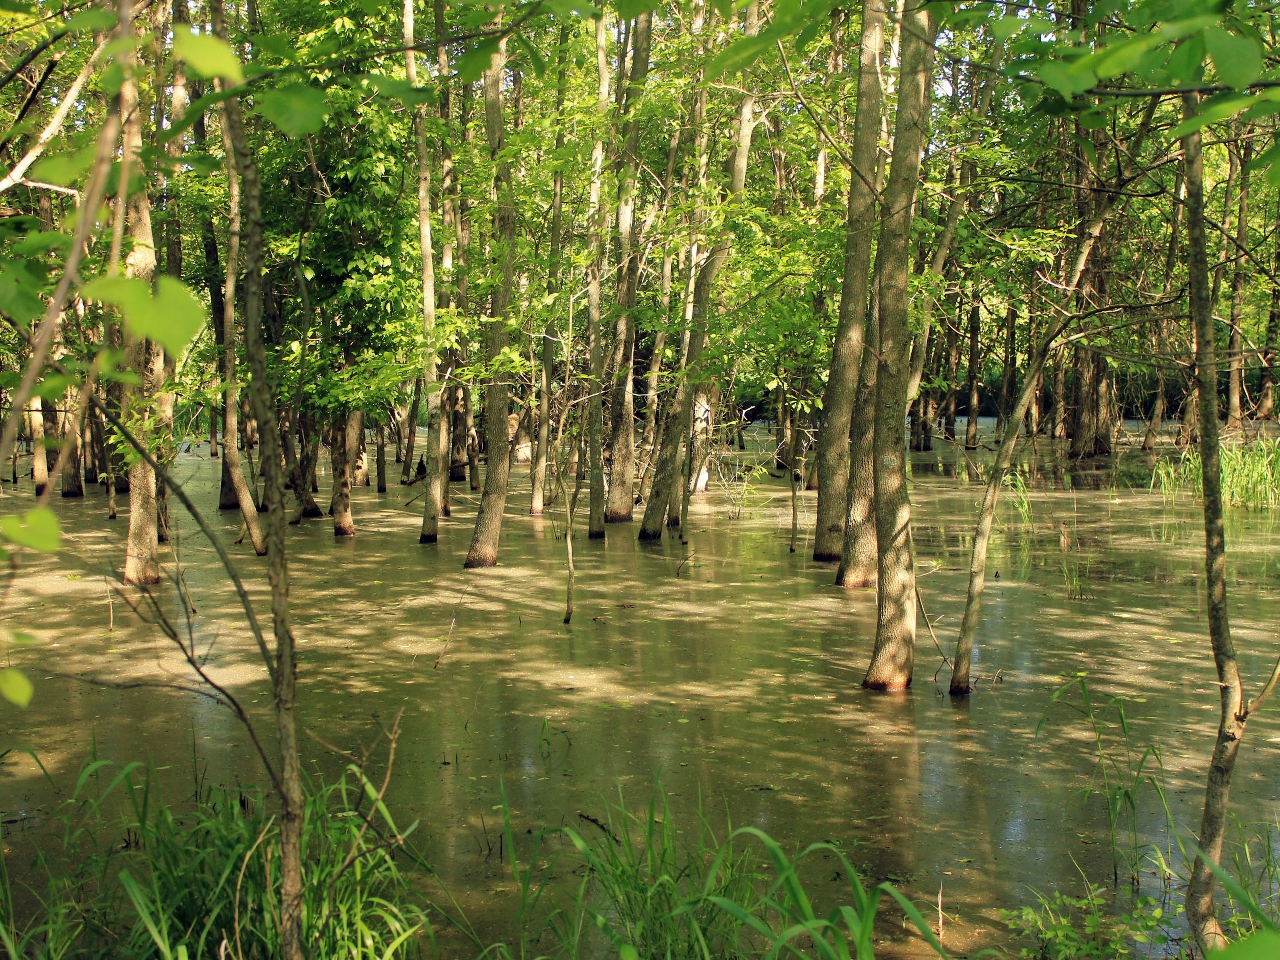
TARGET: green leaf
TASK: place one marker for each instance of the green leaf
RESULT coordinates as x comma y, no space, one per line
20,287
1211,112
1261,946
15,687
1007,26
296,109
94,19
171,318
35,244
21,639
53,387
1064,80
739,54
1238,60
400,89
37,529
64,169
1186,63
630,9
472,64
207,55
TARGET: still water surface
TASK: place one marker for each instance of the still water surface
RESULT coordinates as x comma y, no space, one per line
725,673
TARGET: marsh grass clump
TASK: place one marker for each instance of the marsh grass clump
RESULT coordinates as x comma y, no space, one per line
1250,474
645,889
131,876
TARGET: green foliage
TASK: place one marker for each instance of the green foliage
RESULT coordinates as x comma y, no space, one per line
1250,474
207,55
202,881
1064,927
170,314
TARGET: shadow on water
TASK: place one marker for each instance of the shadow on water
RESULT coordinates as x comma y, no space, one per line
727,670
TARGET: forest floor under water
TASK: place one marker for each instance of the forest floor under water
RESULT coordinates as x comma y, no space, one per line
724,672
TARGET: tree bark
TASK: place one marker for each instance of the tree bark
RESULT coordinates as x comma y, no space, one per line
1239,278
676,429
1201,913
1266,395
975,370
538,497
833,445
142,560
343,450
484,542
262,398
595,330
231,387
893,656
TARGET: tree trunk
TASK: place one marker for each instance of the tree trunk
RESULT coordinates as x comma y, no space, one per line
382,458
1201,914
39,460
833,449
1009,376
676,429
975,369
262,396
484,542
343,456
232,471
142,560
411,432
620,504
1266,395
595,331
72,470
1239,278
858,555
893,656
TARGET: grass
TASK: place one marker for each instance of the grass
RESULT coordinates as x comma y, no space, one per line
126,875
1250,474
150,882
201,881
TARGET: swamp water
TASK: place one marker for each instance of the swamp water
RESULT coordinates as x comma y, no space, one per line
727,671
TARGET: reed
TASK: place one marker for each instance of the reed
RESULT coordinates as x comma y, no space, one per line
1250,474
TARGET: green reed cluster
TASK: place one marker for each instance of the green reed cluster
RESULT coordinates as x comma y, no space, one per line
1250,474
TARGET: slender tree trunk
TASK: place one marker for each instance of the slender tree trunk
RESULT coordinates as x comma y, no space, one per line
1266,395
411,431
666,474
595,330
1201,914
893,656
962,660
620,504
39,461
975,369
484,542
262,398
142,561
1239,278
430,381
859,556
838,399
231,387
343,453
1009,375
382,458
537,501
